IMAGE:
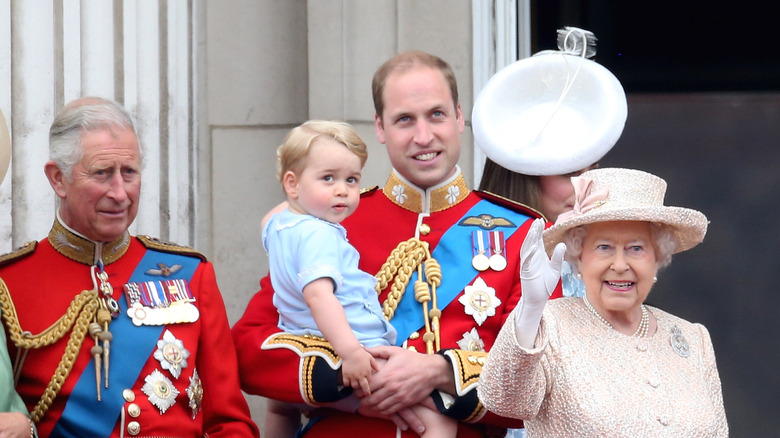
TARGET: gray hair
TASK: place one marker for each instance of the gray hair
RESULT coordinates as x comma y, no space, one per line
663,242
80,115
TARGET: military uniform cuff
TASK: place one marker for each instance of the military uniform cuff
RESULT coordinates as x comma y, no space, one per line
320,370
464,405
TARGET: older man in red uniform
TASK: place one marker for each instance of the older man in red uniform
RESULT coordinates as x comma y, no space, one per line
117,335
427,236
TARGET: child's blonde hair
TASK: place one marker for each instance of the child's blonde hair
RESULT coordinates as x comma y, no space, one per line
291,155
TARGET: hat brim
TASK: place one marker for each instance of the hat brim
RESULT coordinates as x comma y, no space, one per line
688,226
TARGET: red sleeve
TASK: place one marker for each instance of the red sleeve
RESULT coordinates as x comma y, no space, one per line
269,373
279,373
226,413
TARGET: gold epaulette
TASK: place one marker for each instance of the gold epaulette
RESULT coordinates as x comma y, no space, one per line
159,245
510,204
368,190
25,250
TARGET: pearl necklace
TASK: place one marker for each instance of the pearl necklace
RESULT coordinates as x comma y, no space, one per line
644,323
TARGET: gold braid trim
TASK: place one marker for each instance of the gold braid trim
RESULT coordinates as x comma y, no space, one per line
398,268
80,312
307,371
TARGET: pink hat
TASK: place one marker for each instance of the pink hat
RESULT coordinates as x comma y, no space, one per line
608,194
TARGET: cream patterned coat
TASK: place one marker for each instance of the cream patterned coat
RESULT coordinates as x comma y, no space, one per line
584,379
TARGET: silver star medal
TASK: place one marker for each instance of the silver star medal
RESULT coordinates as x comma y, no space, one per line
160,391
171,354
479,300
195,393
471,341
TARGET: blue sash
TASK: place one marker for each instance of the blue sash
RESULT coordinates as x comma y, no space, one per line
131,347
453,253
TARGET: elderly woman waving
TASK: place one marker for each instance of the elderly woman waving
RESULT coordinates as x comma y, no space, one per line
606,364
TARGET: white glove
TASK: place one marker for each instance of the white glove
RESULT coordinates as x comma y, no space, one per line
538,277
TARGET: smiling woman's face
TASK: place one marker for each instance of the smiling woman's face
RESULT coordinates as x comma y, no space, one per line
618,265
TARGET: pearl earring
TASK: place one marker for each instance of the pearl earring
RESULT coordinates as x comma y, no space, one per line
579,276
655,279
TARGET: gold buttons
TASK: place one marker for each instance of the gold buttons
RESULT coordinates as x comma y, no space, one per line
133,410
133,428
414,335
425,229
474,360
128,395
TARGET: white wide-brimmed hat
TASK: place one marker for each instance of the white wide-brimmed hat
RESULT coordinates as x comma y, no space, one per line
609,194
5,146
553,113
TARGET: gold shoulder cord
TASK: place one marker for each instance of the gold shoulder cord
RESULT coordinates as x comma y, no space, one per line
398,268
80,312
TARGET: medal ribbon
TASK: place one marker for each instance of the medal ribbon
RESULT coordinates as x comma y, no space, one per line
455,261
497,243
478,239
131,347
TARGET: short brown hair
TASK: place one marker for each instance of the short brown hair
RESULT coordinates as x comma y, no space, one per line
291,155
406,61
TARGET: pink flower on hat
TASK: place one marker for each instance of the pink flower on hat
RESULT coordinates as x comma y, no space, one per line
585,197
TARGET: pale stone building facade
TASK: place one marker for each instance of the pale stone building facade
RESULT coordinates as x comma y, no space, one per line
214,86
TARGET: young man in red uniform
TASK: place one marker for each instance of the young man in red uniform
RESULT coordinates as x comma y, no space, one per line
453,249
118,335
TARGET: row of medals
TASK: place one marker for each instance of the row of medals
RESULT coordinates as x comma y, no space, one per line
488,250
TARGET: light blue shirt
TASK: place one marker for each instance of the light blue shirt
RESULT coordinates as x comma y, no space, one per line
572,285
302,248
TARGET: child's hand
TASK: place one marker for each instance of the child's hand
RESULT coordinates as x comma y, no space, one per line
356,368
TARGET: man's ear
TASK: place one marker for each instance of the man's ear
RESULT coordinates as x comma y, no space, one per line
460,118
56,178
379,129
290,184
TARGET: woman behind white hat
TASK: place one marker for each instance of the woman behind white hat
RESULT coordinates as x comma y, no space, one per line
606,364
544,119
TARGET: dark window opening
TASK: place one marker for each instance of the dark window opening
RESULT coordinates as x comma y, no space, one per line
671,45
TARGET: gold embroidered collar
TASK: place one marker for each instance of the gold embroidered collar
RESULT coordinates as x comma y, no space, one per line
434,199
77,247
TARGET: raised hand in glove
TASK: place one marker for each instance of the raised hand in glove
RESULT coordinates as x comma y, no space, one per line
538,277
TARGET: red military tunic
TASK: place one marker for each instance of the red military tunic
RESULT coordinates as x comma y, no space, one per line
384,219
42,280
